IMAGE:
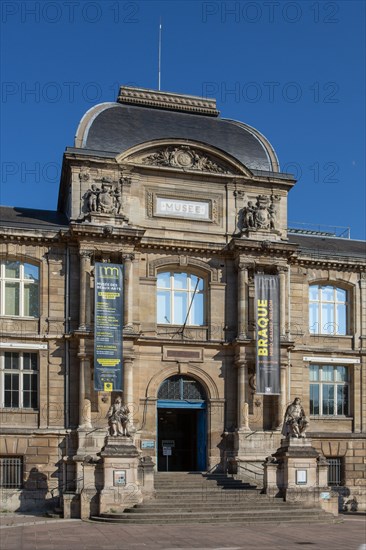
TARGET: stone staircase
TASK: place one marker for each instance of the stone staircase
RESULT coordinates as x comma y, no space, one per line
185,497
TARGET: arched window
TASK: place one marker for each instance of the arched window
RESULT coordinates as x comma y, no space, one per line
19,289
180,388
180,299
328,310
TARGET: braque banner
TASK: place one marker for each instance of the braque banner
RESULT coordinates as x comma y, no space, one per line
267,318
108,324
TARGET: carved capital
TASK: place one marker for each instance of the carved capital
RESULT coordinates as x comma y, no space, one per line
128,257
85,254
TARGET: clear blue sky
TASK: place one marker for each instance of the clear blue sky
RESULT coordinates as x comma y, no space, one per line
293,70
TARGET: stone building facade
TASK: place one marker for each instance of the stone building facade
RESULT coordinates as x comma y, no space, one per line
193,206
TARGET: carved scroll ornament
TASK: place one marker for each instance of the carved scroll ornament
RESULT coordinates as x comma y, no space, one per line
184,158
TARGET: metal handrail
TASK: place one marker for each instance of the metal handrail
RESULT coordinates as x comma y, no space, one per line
61,489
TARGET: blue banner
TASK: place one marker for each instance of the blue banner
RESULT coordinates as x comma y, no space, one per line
108,324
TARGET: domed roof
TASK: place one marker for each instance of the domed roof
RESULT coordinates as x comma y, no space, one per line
116,127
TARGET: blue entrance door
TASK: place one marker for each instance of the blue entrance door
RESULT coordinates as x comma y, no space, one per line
183,426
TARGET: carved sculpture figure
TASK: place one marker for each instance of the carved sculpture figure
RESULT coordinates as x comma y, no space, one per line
118,418
262,215
92,198
295,422
249,215
107,200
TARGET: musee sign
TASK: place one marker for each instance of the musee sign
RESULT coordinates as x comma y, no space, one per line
199,210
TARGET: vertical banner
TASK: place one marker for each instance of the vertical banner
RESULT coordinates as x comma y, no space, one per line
108,324
267,318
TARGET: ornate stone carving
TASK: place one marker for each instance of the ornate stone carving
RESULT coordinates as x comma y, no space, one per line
106,199
84,174
262,214
185,158
295,422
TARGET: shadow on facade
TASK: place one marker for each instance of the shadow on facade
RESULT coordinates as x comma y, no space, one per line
33,496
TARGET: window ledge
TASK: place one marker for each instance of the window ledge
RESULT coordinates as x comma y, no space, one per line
180,326
17,317
321,335
17,410
330,417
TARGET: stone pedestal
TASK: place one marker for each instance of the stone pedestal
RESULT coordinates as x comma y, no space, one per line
250,451
298,473
121,488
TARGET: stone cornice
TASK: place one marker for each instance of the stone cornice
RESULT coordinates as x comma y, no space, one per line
99,232
167,100
322,262
263,249
11,234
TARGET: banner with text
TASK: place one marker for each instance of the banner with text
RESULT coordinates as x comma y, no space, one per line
108,324
267,318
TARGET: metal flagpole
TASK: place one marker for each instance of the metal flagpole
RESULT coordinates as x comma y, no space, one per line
159,64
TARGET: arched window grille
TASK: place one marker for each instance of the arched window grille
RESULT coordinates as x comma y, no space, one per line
181,388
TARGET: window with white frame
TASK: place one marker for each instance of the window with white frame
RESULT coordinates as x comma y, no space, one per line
180,299
19,380
329,390
19,289
328,310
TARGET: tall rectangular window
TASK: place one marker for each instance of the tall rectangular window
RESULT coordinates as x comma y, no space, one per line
180,299
328,310
19,289
329,390
19,380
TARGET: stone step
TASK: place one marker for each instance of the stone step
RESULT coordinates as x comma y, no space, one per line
214,487
240,493
209,508
316,517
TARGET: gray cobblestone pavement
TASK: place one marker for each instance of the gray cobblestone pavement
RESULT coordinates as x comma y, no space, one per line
19,532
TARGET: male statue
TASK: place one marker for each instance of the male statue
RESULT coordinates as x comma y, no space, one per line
118,418
295,422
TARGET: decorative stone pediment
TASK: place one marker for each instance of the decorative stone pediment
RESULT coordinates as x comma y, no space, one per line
188,158
184,158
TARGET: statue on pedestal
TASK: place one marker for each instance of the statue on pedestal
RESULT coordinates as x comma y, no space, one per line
295,422
118,418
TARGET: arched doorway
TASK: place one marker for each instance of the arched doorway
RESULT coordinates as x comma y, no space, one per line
181,425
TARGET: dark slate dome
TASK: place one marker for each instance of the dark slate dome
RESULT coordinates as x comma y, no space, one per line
116,127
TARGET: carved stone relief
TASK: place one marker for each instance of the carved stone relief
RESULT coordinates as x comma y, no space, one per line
184,158
107,197
260,215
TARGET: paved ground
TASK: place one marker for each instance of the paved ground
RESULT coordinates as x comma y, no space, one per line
36,533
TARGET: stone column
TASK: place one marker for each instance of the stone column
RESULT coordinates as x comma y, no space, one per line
84,392
84,311
357,384
243,407
242,300
282,396
128,293
283,291
128,388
